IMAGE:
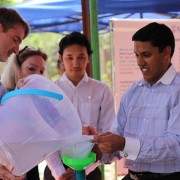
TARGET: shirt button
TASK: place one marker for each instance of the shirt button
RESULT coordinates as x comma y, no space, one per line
125,154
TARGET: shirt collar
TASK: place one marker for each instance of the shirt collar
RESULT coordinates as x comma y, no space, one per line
84,79
166,79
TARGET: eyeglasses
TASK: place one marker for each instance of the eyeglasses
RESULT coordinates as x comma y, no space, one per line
22,50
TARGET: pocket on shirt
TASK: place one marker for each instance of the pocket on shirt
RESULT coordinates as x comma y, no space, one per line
89,113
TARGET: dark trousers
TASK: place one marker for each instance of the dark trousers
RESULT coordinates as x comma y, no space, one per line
94,175
172,176
33,174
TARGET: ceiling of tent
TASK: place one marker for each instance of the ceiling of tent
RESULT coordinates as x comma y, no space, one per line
65,15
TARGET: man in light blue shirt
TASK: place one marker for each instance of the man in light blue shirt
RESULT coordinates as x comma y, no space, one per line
147,128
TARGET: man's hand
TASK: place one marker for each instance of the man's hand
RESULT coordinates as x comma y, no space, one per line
109,142
6,174
68,175
97,151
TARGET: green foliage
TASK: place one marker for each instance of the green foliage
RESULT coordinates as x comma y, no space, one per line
9,2
107,76
6,2
104,43
104,39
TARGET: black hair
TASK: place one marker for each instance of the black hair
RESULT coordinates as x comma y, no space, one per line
74,38
159,35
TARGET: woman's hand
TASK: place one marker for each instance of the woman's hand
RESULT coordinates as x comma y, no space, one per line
68,175
20,83
6,174
89,130
20,177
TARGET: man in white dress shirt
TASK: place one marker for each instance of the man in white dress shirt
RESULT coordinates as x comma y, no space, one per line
92,99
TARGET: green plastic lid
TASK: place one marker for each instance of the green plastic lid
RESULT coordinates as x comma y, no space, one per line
79,164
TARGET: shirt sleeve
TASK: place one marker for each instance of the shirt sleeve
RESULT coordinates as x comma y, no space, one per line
107,111
119,121
132,145
55,164
131,149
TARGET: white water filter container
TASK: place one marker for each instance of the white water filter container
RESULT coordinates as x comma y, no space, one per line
36,120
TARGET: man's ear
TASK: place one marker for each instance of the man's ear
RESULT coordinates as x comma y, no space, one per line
89,59
60,58
167,54
167,51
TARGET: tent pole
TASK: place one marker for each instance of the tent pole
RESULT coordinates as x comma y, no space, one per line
86,29
94,38
95,47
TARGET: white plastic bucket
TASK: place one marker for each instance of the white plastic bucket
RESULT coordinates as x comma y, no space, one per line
81,149
33,126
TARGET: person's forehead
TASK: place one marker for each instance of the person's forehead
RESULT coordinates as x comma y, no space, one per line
19,31
146,44
142,47
75,49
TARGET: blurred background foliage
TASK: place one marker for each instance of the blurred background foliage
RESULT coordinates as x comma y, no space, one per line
10,2
48,42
